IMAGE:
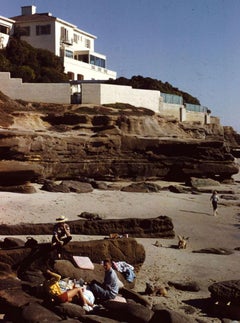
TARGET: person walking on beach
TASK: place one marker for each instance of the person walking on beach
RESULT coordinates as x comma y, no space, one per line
214,198
109,288
61,234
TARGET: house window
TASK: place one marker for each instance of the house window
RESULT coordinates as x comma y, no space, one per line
68,53
87,42
43,30
4,30
22,30
97,61
83,58
80,77
70,75
75,38
64,37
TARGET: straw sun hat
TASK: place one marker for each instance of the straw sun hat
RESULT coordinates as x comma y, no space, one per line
62,218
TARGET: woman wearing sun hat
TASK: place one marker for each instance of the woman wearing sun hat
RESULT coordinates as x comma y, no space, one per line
61,234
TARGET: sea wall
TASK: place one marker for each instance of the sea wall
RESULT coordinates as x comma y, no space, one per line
96,93
34,92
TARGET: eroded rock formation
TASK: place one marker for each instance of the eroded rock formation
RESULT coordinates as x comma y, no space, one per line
106,143
161,226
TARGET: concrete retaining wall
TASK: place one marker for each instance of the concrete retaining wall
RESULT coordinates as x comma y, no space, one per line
192,116
169,109
97,93
34,92
108,93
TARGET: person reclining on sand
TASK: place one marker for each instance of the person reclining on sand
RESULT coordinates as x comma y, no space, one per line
53,289
109,289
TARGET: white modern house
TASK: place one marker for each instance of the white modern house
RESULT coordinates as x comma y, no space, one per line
5,30
75,46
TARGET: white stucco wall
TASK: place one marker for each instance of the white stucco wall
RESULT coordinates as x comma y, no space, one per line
5,22
40,41
90,72
108,93
34,92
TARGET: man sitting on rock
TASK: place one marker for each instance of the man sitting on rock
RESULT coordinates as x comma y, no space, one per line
61,234
109,288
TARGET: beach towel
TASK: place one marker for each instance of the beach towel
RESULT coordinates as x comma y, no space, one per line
83,262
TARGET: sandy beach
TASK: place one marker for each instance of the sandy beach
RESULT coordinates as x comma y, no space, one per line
191,215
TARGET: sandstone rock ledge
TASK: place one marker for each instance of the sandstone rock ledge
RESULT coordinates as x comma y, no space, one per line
160,227
107,143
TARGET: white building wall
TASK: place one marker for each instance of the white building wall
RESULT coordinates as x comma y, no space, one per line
34,92
8,23
108,93
40,41
90,72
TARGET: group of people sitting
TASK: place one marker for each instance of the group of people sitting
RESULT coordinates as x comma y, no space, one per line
83,295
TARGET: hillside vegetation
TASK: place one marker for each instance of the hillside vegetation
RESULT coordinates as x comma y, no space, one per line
31,64
147,83
35,65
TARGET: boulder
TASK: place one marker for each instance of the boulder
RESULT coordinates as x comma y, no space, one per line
138,298
177,189
69,310
78,187
229,197
169,316
128,312
11,242
190,286
90,216
35,313
124,249
5,271
97,319
66,269
24,188
51,186
226,291
142,187
13,172
201,182
12,295
216,251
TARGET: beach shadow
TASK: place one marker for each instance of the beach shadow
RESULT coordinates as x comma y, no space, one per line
195,212
203,304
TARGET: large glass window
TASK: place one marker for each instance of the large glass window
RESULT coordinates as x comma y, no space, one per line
43,30
97,61
82,58
68,53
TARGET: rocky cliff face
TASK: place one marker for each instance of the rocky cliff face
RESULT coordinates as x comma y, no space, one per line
108,143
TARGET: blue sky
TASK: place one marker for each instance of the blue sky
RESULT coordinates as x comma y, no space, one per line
192,44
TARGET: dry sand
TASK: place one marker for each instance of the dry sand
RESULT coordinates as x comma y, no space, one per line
191,216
